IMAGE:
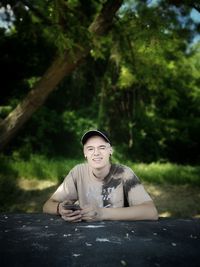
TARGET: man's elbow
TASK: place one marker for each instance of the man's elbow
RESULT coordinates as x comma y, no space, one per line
154,214
45,208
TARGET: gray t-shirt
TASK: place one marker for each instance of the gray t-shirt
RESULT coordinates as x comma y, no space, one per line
121,187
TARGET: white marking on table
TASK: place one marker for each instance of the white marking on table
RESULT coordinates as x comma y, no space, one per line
102,239
88,244
92,226
76,255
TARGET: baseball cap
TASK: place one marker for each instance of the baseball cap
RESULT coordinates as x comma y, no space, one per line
91,133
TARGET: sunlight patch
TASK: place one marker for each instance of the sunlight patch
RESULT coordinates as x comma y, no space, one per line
154,190
165,214
33,184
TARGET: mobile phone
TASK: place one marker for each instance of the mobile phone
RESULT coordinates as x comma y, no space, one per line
71,207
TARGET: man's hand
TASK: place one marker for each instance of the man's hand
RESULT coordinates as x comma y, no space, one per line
91,213
69,215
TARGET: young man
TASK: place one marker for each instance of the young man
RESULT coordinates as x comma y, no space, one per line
104,191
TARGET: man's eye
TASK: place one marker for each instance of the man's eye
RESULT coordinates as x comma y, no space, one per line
90,149
102,147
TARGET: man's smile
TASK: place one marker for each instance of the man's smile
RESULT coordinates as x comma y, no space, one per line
97,159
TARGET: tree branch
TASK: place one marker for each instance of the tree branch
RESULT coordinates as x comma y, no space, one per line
104,19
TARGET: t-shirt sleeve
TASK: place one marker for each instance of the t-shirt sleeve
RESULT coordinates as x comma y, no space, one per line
67,190
135,192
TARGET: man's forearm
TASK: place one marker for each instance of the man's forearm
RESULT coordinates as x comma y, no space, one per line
145,211
51,207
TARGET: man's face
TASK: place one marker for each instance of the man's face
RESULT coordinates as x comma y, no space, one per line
97,151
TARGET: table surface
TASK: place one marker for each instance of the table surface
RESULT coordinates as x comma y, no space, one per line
47,240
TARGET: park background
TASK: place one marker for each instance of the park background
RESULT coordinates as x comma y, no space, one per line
131,68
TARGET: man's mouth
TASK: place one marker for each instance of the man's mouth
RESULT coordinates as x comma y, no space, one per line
97,159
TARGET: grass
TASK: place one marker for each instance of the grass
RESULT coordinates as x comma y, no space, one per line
162,173
25,185
37,167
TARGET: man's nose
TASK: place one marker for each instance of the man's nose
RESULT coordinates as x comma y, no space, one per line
96,151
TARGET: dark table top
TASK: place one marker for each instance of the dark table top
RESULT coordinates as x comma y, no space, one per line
46,240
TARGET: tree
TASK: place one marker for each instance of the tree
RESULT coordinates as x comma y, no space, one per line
149,104
62,65
140,82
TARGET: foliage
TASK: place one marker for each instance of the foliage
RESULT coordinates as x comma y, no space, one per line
49,128
140,83
155,105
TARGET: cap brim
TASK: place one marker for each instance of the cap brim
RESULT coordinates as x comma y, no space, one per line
91,133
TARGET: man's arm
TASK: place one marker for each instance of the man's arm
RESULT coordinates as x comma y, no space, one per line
65,191
57,208
144,211
50,206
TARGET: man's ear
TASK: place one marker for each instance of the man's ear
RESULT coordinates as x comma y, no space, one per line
111,150
84,154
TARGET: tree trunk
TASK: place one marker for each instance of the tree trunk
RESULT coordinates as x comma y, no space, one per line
60,67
